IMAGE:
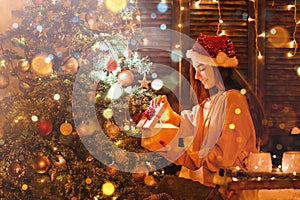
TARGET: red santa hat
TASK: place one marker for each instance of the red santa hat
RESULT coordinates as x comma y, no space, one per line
214,51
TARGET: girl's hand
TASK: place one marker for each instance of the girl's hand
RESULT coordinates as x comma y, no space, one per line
168,111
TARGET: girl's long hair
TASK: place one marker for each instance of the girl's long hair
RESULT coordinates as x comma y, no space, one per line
233,79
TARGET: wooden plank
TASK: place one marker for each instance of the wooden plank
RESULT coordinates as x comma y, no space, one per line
264,184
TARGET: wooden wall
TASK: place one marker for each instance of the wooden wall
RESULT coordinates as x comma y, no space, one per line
274,77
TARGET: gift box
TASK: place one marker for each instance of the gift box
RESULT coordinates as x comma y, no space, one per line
159,137
150,117
155,136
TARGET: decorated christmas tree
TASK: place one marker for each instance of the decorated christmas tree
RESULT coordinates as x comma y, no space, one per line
68,131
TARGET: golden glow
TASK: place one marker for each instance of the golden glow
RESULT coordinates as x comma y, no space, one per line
138,18
2,63
221,21
34,118
108,188
88,181
289,54
237,111
222,32
115,6
290,7
181,8
250,19
298,70
179,25
231,126
119,142
243,91
262,35
259,55
24,187
108,113
292,43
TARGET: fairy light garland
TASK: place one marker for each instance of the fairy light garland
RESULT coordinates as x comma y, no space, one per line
220,21
294,43
179,46
255,20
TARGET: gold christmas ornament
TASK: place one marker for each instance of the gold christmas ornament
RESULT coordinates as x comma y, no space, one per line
125,78
66,128
23,65
42,65
70,65
41,164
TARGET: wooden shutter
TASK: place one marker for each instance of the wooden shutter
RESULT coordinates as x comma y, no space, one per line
282,84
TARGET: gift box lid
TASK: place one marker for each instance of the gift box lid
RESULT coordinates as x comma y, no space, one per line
151,116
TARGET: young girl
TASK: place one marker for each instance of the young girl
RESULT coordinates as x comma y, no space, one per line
225,125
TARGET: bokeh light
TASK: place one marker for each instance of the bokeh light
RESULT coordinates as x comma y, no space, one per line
163,26
34,118
176,55
162,7
157,84
39,28
298,70
153,15
115,6
278,36
108,113
15,25
108,188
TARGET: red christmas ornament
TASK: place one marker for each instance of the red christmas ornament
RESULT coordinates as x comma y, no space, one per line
125,78
111,65
44,127
37,2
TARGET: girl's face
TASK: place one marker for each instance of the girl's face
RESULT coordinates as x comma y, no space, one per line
205,74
